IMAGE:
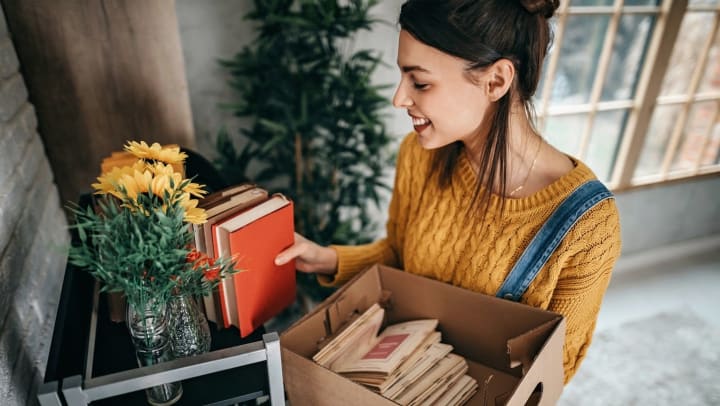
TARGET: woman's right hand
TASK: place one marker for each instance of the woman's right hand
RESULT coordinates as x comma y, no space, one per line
309,257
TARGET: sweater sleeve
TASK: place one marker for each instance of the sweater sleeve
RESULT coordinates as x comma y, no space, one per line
387,251
584,279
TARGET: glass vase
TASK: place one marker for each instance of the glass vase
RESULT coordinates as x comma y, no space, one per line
151,339
189,330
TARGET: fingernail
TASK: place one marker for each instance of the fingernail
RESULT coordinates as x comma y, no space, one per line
279,260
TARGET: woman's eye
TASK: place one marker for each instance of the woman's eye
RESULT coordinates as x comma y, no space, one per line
420,86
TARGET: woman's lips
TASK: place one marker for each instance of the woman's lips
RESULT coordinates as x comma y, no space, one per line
420,124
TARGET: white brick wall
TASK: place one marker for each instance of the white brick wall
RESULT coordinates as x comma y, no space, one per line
33,238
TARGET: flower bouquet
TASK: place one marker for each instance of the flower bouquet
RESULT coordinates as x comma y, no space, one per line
137,240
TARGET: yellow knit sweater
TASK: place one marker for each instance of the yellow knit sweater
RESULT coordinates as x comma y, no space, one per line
428,234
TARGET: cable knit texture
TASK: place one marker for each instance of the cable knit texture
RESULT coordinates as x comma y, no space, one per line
429,234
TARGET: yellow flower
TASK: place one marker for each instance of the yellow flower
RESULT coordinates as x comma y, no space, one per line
164,179
155,152
194,214
154,176
159,185
195,189
108,182
160,168
136,183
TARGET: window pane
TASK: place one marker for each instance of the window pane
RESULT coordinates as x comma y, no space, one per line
653,152
711,78
703,2
591,2
583,40
564,132
694,31
711,154
546,62
628,52
642,2
700,119
604,142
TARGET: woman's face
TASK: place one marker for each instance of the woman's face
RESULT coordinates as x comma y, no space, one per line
443,103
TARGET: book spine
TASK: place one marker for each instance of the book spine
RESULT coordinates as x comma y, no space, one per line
227,287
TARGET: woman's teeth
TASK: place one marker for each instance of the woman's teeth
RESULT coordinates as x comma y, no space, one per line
420,121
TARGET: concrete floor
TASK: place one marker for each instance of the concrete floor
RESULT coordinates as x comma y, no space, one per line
664,281
639,292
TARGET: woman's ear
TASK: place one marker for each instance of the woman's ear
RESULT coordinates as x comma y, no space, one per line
498,78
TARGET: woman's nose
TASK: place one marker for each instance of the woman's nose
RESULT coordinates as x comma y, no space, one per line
401,99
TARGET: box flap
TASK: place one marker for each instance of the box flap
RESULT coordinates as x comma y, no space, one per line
523,349
544,374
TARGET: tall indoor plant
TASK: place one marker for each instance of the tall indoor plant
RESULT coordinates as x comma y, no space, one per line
316,132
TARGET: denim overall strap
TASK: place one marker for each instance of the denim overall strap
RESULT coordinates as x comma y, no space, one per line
549,237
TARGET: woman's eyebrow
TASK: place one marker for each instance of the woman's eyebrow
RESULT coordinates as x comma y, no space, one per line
413,68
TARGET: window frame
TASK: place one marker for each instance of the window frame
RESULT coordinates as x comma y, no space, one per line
668,20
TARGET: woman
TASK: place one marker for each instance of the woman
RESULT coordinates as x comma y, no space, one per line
475,181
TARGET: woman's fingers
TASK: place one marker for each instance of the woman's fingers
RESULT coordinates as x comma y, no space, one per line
289,254
308,256
299,250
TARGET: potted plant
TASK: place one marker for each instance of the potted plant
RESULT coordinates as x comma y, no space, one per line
317,132
136,240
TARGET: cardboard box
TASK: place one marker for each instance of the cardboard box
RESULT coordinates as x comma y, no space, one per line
514,350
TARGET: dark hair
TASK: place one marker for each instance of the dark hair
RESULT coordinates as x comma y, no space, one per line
482,32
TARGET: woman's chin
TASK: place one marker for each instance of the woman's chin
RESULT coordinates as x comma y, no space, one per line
427,141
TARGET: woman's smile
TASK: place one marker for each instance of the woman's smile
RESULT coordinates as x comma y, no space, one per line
419,123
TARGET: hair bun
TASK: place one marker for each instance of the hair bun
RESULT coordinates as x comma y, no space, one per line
546,8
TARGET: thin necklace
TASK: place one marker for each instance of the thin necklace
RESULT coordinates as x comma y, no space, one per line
537,153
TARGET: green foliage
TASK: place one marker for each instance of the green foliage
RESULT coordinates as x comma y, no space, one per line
317,133
140,252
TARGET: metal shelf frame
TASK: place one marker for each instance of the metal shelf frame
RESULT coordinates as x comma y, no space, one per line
73,391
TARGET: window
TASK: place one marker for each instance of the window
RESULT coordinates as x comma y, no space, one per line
633,88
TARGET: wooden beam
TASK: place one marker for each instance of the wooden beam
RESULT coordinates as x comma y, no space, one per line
655,66
100,73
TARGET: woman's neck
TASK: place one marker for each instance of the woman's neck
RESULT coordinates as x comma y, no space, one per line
524,150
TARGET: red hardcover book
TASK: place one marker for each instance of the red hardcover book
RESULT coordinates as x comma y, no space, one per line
221,211
217,206
254,238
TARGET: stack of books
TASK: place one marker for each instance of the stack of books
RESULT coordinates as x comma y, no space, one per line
406,362
250,226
